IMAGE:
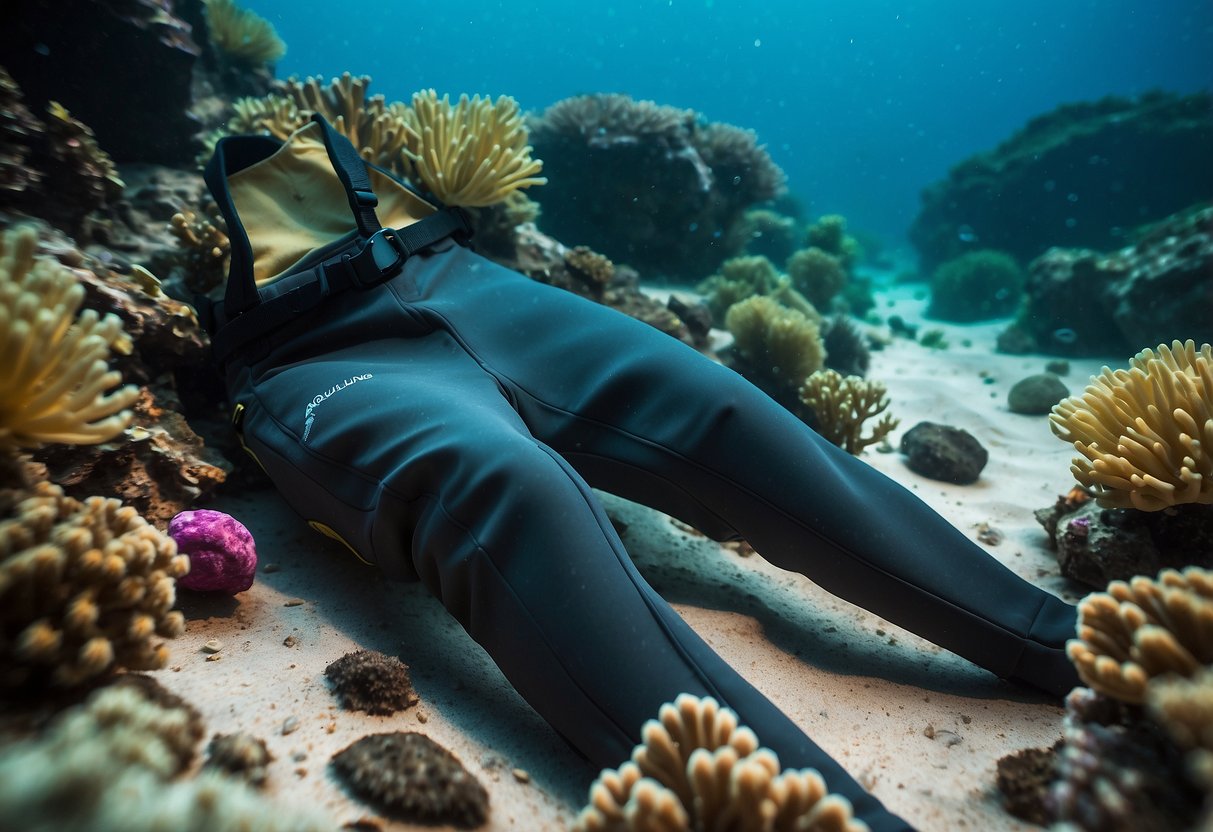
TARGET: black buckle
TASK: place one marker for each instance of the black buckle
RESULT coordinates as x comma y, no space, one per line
384,244
365,199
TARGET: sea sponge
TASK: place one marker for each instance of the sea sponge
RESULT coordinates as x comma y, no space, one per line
366,680
841,405
976,286
107,766
244,36
84,587
1143,629
473,153
1145,433
409,774
698,769
53,370
816,274
782,342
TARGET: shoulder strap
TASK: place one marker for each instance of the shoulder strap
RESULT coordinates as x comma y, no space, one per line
235,153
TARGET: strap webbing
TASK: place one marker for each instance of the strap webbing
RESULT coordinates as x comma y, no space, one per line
351,170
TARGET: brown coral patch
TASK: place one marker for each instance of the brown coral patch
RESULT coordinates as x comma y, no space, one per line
369,681
409,775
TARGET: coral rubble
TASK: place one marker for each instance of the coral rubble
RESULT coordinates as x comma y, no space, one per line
410,775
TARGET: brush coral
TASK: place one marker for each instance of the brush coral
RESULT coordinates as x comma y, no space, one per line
698,769
1145,434
53,370
842,405
1144,629
473,153
84,587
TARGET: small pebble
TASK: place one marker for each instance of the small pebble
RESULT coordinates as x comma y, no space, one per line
213,646
521,775
422,717
294,602
290,725
331,728
290,641
214,657
271,567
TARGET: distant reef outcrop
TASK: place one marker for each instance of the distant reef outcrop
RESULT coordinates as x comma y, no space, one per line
1080,176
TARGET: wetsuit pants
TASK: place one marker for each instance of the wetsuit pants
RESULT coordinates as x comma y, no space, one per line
449,423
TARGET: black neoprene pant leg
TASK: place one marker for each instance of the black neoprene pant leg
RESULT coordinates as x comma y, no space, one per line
454,414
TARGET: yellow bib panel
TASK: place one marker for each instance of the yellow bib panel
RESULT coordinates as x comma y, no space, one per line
292,203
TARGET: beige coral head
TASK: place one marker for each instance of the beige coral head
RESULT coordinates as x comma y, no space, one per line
1144,629
244,36
55,382
698,769
1145,434
473,153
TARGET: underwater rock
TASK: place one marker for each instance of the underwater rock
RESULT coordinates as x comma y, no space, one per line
366,680
945,453
158,465
1078,176
223,557
137,51
1096,545
1036,394
1081,302
408,775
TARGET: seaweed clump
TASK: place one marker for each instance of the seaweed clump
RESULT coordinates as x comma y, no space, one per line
410,775
366,680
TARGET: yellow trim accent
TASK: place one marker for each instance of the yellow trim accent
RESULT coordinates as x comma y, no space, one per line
328,532
238,424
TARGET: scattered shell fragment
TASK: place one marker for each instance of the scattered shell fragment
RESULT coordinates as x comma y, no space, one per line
290,725
213,646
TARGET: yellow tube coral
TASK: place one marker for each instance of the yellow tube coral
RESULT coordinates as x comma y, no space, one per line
53,366
1143,629
472,154
1145,434
698,769
84,587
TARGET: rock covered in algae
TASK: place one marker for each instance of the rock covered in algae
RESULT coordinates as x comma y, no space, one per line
222,555
409,775
367,680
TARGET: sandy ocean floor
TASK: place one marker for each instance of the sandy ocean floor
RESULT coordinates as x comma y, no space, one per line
919,727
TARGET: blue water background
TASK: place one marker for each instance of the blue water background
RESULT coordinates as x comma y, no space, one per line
862,102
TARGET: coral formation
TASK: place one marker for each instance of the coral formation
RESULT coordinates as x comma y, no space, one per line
1143,629
108,766
242,35
54,375
817,275
84,587
842,405
976,286
698,769
1145,433
776,341
649,185
474,153
829,233
242,756
366,680
222,555
737,279
410,775
765,232
1078,176
206,250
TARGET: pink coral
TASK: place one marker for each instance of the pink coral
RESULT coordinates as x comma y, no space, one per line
222,555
